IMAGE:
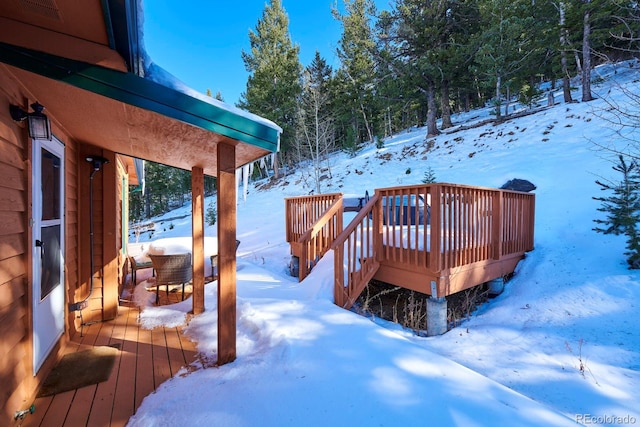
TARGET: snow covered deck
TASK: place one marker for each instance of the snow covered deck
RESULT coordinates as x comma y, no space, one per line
437,239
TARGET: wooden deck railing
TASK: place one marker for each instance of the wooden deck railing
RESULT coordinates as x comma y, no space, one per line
479,224
435,238
355,255
303,211
313,222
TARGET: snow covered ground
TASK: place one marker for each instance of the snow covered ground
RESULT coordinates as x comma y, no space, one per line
561,345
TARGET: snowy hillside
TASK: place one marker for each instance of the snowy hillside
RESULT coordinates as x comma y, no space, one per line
560,345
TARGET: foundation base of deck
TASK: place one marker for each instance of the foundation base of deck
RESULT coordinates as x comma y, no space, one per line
436,316
496,287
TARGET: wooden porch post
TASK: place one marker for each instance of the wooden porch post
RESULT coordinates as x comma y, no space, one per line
226,253
197,224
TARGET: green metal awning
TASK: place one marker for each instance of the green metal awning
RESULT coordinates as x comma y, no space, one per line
140,92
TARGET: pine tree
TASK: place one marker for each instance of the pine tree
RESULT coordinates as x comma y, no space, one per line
431,51
357,70
315,125
592,23
564,48
274,70
506,43
623,209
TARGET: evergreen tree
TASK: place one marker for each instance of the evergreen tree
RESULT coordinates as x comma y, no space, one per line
391,96
421,36
564,49
586,51
357,69
623,209
625,30
461,23
274,70
431,50
592,23
505,44
166,188
315,127
544,60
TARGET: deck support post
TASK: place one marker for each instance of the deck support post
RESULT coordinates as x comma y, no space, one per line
436,316
197,231
226,253
496,286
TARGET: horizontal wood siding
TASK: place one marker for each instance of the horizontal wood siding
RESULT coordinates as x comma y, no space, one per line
71,230
103,187
16,341
14,296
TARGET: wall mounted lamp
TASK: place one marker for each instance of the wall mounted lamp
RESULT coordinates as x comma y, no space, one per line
38,122
97,161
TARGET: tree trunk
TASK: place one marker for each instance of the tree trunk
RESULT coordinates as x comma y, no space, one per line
586,56
566,82
507,101
432,127
276,167
446,110
366,121
498,101
147,204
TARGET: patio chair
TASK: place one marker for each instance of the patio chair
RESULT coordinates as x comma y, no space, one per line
171,270
214,263
138,264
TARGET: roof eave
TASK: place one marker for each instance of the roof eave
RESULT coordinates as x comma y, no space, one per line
143,93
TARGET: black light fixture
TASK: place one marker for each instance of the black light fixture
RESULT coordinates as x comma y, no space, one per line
97,162
38,122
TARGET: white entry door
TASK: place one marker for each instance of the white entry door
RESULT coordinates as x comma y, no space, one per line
48,247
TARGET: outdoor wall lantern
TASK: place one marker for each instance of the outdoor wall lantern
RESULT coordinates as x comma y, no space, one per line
38,122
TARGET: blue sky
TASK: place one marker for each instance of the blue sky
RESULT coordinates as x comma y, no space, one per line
200,41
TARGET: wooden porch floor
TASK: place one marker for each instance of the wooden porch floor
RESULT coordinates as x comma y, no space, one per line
146,359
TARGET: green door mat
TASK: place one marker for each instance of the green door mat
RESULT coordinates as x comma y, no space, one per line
80,369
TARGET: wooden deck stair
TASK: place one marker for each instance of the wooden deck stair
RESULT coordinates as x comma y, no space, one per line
437,239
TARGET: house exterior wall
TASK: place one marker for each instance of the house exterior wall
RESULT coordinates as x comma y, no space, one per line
14,274
19,385
103,297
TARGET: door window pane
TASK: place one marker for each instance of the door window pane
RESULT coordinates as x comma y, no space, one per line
50,185
50,257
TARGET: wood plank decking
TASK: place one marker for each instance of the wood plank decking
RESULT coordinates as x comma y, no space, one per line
146,359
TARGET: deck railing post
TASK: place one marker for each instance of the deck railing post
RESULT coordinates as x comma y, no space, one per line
338,265
288,218
436,228
496,226
532,216
377,228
